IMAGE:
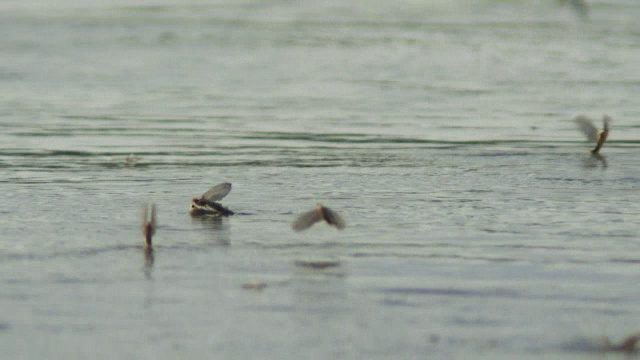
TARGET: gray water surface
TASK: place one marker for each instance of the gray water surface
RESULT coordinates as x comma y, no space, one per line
479,225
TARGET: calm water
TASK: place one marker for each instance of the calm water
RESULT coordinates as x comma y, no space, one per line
479,226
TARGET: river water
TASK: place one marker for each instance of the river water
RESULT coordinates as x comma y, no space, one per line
478,223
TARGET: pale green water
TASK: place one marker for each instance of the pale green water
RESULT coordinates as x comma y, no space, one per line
479,226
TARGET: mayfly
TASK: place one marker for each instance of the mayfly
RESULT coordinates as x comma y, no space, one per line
207,204
149,224
321,212
592,133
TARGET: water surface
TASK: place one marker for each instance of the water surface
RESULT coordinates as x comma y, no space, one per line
478,223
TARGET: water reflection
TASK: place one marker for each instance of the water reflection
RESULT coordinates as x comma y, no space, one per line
581,7
149,259
594,161
322,307
212,222
217,227
319,288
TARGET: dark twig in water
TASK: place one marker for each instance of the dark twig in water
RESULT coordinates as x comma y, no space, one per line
321,212
207,204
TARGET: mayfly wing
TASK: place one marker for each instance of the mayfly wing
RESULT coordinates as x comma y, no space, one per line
305,220
332,218
217,192
586,126
149,217
144,215
606,122
153,215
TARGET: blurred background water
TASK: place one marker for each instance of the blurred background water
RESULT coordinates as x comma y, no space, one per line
478,223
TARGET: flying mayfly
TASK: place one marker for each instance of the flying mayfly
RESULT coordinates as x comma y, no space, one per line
592,133
321,212
207,204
